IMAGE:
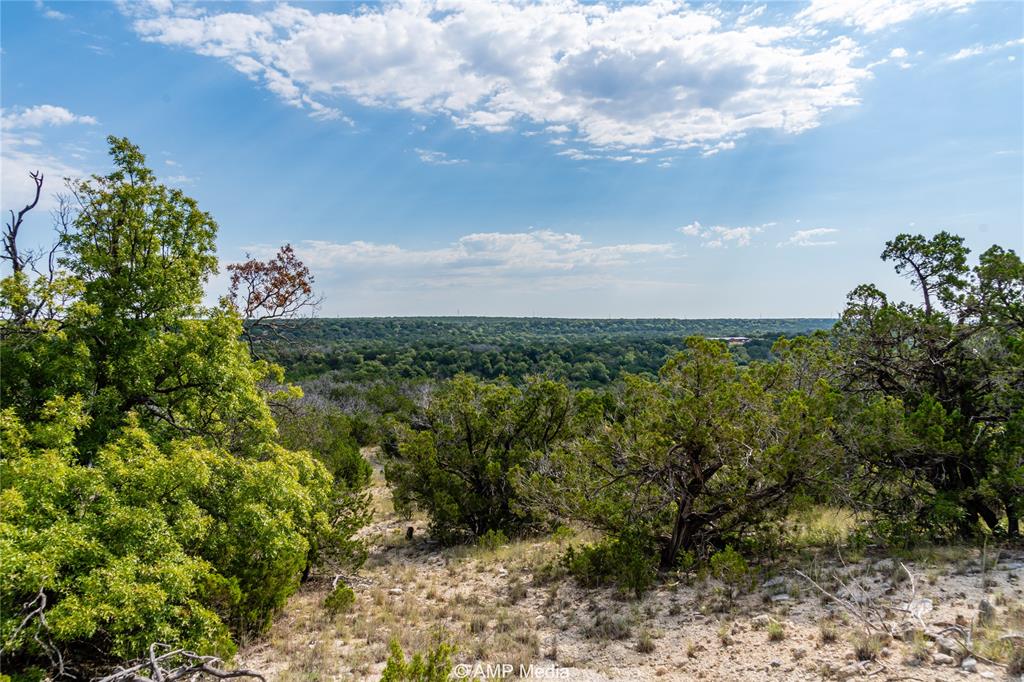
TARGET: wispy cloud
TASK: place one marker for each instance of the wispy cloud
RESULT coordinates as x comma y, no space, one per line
977,50
49,12
817,236
719,236
24,151
537,258
874,15
436,158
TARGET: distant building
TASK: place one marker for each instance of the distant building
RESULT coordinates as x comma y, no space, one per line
731,340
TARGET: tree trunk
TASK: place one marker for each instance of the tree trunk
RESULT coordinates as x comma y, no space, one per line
1012,522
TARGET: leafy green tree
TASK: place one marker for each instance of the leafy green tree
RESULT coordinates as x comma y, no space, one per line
322,429
703,454
145,496
130,332
456,464
952,369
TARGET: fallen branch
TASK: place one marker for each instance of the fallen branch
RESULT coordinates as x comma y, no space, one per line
185,664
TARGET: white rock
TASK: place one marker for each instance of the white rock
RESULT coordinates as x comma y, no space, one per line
942,659
781,597
970,665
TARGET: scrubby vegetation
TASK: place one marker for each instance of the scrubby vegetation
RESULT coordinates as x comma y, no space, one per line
161,482
147,493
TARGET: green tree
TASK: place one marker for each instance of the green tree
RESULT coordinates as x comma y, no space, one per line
952,368
703,454
456,464
145,495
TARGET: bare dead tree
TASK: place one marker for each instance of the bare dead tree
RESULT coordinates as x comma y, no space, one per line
10,236
266,293
34,620
175,664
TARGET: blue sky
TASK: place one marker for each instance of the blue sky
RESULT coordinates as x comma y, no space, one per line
558,159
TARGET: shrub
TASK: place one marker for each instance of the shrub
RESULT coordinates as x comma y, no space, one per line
866,646
149,543
435,666
624,561
340,599
609,626
776,631
702,456
474,435
728,566
492,540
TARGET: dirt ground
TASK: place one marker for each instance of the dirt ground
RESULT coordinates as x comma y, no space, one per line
504,616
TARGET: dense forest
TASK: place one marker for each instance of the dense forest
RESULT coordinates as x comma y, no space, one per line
583,352
165,488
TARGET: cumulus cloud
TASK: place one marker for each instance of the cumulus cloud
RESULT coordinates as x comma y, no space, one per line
23,152
20,160
39,116
436,158
719,236
977,50
812,237
480,257
50,13
663,75
875,15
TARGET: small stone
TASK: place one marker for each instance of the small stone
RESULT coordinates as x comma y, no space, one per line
395,590
986,612
848,671
970,665
885,565
946,645
776,663
775,582
799,653
942,659
988,675
781,597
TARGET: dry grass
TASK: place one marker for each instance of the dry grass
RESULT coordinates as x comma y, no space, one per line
501,605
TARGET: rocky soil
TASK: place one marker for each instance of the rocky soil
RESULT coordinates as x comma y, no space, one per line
505,614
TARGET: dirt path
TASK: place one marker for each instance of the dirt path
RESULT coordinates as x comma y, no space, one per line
503,617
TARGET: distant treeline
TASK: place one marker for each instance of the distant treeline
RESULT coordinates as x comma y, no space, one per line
586,352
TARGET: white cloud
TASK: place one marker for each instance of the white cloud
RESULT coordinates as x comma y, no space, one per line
39,116
811,237
898,53
875,15
436,158
50,13
479,257
22,153
719,236
691,230
663,75
976,50
16,187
